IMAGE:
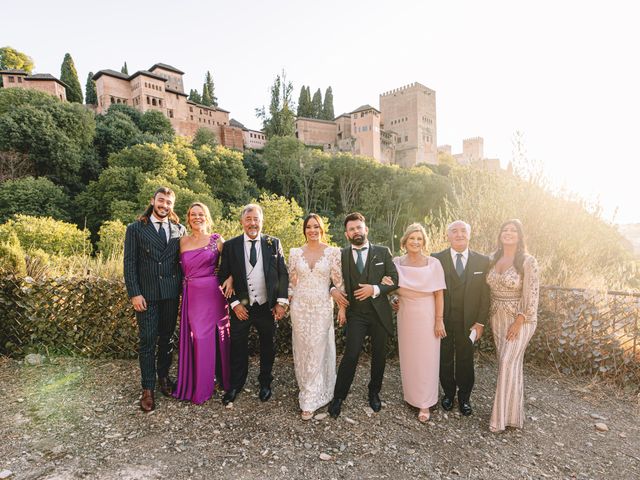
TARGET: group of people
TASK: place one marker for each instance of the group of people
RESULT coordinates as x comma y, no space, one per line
443,302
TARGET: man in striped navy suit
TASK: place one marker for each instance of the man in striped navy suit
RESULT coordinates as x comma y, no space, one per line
153,278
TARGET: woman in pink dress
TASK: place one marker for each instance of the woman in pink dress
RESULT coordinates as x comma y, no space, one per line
420,320
204,321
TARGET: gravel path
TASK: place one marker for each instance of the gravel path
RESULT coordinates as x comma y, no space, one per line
75,418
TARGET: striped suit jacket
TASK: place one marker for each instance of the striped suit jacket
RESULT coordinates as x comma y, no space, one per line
151,268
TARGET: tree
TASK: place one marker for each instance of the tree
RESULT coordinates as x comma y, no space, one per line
114,132
208,91
204,136
125,69
157,126
39,197
280,120
194,96
57,136
15,165
316,181
225,173
69,76
304,103
327,108
283,156
10,58
91,97
316,105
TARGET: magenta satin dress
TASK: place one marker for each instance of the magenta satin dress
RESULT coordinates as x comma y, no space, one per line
204,326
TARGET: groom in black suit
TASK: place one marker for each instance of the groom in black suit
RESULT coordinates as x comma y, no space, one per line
363,267
260,284
466,309
153,279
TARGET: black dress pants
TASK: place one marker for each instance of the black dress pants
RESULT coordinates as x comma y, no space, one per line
456,360
155,329
359,325
261,318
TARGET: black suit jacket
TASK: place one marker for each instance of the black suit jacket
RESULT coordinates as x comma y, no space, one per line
151,267
275,270
379,264
476,290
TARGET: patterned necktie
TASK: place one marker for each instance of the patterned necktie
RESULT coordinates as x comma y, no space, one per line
459,266
162,233
253,255
359,261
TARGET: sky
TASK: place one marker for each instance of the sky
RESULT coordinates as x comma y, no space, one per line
563,73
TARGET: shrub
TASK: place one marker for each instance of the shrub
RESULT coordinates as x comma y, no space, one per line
12,260
33,196
111,241
52,236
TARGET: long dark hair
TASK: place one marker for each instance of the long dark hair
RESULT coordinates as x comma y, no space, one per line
521,249
144,218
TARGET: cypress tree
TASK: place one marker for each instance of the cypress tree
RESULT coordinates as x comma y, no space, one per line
208,80
91,97
69,76
194,96
206,95
124,69
304,103
316,105
327,109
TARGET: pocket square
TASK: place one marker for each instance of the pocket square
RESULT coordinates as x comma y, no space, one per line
478,273
381,263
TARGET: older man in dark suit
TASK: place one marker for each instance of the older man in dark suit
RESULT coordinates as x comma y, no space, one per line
260,298
153,278
466,309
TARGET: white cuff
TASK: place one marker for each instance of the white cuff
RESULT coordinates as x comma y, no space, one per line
234,303
283,300
376,291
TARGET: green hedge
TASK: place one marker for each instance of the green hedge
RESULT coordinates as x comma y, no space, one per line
578,331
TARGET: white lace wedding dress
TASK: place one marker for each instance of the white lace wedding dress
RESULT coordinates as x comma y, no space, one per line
314,347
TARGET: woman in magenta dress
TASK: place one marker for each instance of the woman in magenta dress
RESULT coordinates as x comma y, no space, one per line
204,321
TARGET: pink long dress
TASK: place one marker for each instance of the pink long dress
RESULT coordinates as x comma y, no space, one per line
418,345
204,326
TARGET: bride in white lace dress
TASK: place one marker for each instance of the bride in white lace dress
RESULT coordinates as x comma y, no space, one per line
312,270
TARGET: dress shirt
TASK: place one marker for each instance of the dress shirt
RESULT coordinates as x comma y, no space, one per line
261,281
164,223
465,256
364,255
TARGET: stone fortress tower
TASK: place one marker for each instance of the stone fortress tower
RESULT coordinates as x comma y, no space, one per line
410,113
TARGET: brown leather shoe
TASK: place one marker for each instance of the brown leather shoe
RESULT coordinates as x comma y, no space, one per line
166,386
147,402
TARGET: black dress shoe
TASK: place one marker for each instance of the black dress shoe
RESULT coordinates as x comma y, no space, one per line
374,402
264,394
447,403
334,407
465,408
229,396
166,386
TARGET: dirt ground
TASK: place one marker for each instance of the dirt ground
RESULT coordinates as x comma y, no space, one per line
75,418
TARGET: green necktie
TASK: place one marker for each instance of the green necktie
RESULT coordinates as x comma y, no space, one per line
359,261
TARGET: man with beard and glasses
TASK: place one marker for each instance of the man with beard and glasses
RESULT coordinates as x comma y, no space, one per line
363,268
153,279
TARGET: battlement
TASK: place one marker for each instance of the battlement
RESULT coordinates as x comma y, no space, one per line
411,87
473,139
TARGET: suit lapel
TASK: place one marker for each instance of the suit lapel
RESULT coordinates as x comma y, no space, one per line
266,254
152,234
346,275
239,253
471,267
367,266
